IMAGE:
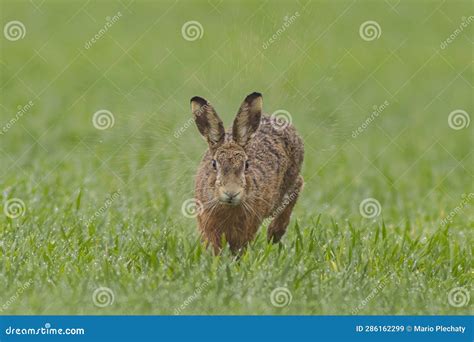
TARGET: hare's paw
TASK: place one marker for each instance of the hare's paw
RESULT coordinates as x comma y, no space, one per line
279,224
276,230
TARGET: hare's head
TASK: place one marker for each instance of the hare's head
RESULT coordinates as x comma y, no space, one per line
229,164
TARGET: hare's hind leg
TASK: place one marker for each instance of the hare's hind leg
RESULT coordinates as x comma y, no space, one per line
277,227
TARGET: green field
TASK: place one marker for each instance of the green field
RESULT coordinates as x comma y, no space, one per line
102,208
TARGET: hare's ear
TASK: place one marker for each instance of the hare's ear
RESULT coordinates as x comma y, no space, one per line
248,119
208,122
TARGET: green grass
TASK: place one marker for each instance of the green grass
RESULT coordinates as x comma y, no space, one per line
319,70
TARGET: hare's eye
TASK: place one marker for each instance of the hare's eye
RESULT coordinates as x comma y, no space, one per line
246,165
214,164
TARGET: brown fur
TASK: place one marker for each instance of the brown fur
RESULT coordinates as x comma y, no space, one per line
268,187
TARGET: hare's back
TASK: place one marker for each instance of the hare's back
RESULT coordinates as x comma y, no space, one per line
280,139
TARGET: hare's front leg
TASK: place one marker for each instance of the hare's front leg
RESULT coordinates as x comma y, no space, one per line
277,227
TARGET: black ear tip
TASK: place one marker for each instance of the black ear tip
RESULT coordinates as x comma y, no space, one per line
199,100
253,96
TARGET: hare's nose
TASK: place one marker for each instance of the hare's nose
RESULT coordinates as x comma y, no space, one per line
231,194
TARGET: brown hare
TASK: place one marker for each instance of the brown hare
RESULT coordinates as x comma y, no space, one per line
248,173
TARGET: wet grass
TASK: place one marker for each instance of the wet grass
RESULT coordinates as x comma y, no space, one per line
103,207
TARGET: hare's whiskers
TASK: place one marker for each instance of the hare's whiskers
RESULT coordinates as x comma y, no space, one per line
249,204
254,196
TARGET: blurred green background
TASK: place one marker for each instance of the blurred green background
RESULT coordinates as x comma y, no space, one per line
319,69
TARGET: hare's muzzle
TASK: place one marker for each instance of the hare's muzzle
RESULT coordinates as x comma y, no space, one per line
230,196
